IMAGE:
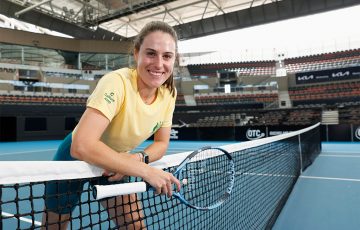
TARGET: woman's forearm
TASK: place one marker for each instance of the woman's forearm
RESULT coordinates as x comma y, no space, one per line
99,154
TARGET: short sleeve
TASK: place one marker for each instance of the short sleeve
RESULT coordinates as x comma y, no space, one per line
108,95
170,112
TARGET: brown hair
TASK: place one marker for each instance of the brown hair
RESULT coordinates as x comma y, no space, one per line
163,27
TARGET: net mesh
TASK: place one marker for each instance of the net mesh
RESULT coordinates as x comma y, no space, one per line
266,171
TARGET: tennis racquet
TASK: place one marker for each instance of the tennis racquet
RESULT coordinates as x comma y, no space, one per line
207,176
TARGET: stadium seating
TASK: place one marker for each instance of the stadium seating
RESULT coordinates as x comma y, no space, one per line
307,101
331,93
43,100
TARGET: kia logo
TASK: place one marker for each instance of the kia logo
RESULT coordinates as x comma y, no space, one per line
305,77
341,74
253,134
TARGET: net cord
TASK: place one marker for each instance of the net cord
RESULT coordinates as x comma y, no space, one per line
105,191
12,172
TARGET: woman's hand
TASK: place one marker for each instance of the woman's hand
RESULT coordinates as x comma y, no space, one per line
113,176
118,176
162,181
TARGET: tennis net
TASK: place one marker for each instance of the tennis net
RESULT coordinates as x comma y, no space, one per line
266,171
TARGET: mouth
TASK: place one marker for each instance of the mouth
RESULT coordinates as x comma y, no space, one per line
156,73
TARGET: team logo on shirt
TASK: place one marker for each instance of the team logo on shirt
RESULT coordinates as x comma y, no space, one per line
109,98
157,126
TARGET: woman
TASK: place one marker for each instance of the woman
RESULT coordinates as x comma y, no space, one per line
126,108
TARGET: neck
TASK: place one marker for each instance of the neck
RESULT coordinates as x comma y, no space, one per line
148,95
148,99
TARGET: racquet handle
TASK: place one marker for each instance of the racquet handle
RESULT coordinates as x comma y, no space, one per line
104,191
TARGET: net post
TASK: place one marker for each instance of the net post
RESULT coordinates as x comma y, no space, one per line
300,153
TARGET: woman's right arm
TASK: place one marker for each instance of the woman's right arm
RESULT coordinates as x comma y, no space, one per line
87,146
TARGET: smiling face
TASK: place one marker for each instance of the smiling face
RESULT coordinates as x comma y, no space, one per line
155,59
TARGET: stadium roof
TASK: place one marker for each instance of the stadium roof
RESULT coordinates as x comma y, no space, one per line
122,19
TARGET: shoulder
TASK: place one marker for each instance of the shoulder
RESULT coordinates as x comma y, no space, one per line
165,93
123,73
118,77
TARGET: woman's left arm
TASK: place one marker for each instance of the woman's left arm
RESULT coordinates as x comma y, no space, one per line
158,148
161,142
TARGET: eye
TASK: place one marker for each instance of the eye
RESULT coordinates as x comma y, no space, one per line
168,56
150,53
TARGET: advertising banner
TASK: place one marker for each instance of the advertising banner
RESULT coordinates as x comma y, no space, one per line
342,132
339,132
185,133
250,133
328,75
356,133
216,133
277,130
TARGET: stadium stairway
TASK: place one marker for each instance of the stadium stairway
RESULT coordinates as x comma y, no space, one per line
189,100
330,117
284,99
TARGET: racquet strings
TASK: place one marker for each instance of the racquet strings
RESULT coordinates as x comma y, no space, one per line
207,176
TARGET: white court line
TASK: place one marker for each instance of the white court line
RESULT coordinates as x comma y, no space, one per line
32,151
301,176
337,155
38,223
339,152
329,178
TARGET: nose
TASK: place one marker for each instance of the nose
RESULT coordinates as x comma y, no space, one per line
158,62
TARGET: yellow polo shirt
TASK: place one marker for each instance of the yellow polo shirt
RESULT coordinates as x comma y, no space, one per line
131,120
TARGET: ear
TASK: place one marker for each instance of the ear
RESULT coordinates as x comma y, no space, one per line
136,55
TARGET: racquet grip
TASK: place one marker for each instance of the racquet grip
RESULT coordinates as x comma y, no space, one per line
105,191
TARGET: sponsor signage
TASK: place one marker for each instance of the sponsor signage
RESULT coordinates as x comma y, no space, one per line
328,75
174,134
244,133
258,132
254,133
356,133
184,133
344,132
278,130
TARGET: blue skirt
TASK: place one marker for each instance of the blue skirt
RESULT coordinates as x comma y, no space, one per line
62,196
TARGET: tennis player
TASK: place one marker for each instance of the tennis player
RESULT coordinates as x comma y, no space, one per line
127,107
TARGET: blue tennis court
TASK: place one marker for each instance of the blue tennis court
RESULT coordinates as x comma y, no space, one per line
326,196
